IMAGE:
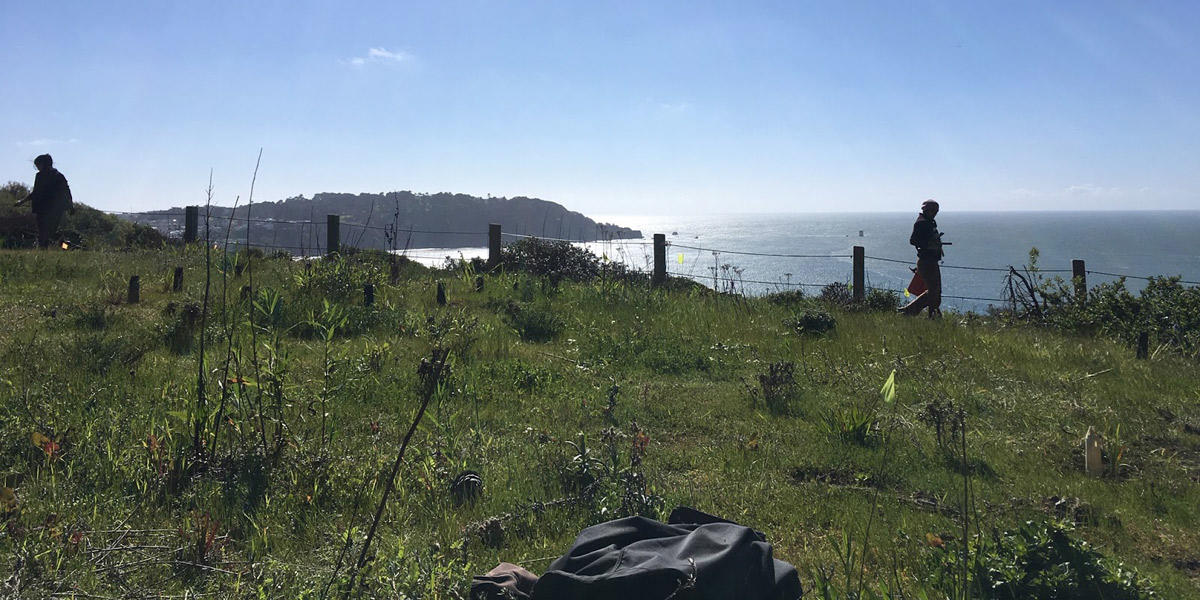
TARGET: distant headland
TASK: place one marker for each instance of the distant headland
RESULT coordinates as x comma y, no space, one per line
392,220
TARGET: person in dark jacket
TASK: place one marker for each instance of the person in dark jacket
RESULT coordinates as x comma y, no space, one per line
50,198
928,241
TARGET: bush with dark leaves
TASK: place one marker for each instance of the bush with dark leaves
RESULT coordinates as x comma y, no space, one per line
787,298
837,294
1036,561
881,300
811,320
534,321
561,260
1166,309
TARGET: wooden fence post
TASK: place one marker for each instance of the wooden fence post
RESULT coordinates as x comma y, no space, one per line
368,294
177,280
660,260
493,245
333,233
191,223
441,294
1079,275
135,290
860,280
394,270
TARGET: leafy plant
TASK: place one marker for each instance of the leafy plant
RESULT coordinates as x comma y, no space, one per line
184,322
811,320
852,423
1165,309
558,260
787,297
777,387
944,417
1036,560
534,321
838,294
881,300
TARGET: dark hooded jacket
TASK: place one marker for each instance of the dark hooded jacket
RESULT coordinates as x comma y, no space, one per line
50,192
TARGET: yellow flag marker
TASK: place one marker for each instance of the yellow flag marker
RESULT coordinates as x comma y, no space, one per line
888,391
681,258
906,294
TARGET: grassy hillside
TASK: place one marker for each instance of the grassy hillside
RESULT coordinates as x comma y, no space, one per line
575,403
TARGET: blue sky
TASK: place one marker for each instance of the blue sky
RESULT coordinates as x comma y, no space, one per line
613,108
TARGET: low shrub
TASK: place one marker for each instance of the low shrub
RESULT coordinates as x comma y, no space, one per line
1166,310
339,277
837,294
95,315
562,260
851,423
881,300
841,295
787,298
1042,560
181,327
777,387
534,321
811,320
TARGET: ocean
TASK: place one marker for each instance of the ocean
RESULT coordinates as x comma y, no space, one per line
1131,243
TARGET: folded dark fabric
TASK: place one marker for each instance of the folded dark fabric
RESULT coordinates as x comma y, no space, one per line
506,581
685,515
640,559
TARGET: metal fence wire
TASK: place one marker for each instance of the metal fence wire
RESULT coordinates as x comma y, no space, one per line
622,243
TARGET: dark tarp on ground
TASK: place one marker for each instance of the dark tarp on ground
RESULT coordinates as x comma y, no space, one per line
693,555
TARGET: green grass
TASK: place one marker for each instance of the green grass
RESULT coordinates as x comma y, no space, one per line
120,507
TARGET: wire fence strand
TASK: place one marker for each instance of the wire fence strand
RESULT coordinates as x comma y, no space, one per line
555,239
739,280
1143,278
623,242
995,269
744,253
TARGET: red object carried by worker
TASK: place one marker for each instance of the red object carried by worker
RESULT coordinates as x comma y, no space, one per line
917,286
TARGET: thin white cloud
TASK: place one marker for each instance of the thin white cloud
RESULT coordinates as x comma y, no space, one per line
43,142
1084,192
674,107
1090,189
379,55
385,54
